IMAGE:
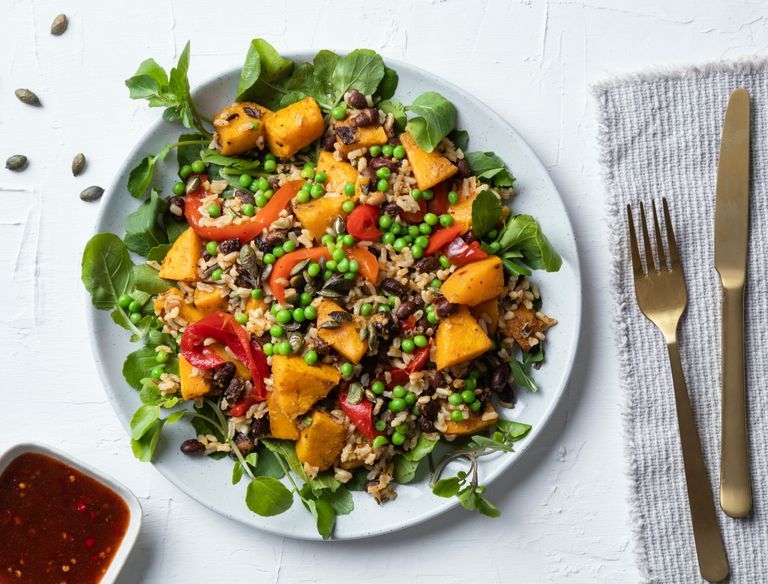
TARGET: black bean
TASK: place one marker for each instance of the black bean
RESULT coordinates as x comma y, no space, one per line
392,286
328,143
418,301
230,245
443,308
465,171
435,379
405,309
427,264
192,446
380,161
426,425
347,134
177,207
275,238
429,410
244,444
252,113
260,426
391,209
422,323
393,141
321,347
274,183
222,375
507,396
261,244
245,196
469,236
235,390
500,378
357,100
367,117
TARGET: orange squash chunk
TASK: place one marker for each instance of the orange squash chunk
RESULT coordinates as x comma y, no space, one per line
458,339
429,168
475,283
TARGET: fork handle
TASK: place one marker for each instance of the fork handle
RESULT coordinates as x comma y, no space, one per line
713,563
735,488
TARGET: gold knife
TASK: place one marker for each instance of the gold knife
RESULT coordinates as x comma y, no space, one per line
731,234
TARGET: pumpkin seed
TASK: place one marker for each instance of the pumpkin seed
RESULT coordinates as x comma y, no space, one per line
249,265
299,267
193,184
92,193
78,164
16,163
363,334
338,284
291,326
327,293
308,287
330,324
296,341
355,393
266,272
339,225
340,316
59,26
296,281
27,96
292,299
373,340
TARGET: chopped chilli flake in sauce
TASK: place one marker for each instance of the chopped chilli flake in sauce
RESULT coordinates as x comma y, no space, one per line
56,524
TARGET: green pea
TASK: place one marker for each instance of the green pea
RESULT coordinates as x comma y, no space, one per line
261,200
241,318
269,156
430,219
343,266
348,206
278,251
413,230
444,261
492,234
307,173
313,269
422,241
387,150
326,239
388,238
161,357
475,374
245,180
397,405
436,283
420,341
377,387
385,221
270,165
289,246
185,171
157,372
124,301
398,439
349,189
310,357
321,177
470,384
392,300
398,391
398,152
407,345
354,266
402,428
298,315
384,172
417,252
339,112
214,211
416,194
380,441
178,188
310,312
284,316
446,220
467,396
276,330
380,425
428,195
375,150
347,369
135,317
261,185
268,349
330,266
317,191
384,308
305,300
455,399
198,166
366,309
457,416
306,187
284,348
268,194
453,197
274,309
257,294
382,185
410,398
304,197
398,229
249,210
348,240
350,276
399,244
338,254
495,246
425,228
217,274
432,318
269,258
476,405
212,247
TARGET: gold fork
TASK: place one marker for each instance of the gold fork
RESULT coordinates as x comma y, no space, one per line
662,297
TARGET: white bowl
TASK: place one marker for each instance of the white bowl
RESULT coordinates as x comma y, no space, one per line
134,508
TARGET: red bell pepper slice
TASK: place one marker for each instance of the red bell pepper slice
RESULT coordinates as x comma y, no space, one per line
441,237
439,203
409,323
223,328
460,253
362,222
360,414
402,376
281,270
247,230
415,216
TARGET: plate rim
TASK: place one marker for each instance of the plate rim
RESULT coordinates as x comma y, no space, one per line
113,189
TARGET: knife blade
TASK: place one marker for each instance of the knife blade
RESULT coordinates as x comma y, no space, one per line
731,246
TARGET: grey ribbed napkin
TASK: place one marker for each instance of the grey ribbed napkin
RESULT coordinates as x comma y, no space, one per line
660,135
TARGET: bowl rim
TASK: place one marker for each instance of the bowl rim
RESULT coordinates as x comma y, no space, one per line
93,314
134,506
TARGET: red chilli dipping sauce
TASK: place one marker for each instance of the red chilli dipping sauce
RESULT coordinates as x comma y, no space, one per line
57,525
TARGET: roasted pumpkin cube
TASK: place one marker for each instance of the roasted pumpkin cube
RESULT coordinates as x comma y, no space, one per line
180,263
429,168
473,424
211,301
524,325
488,312
293,127
359,137
280,424
458,339
172,297
240,127
192,386
462,211
345,338
339,173
321,442
317,215
299,385
475,283
254,303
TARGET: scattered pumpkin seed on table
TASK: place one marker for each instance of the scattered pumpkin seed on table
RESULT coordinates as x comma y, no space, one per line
78,164
92,193
17,163
27,96
59,26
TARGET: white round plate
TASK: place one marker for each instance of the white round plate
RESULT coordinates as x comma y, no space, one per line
209,481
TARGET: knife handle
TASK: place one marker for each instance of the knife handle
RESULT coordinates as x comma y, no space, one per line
735,488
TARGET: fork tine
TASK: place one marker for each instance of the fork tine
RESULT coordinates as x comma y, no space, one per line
646,241
673,257
637,266
659,243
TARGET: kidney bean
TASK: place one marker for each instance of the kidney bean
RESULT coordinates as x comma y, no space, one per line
367,117
222,375
465,171
392,286
405,309
357,100
230,245
192,446
443,308
328,143
381,161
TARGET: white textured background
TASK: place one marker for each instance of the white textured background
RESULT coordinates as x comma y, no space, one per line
564,513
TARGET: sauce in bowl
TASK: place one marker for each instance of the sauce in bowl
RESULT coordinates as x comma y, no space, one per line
57,524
